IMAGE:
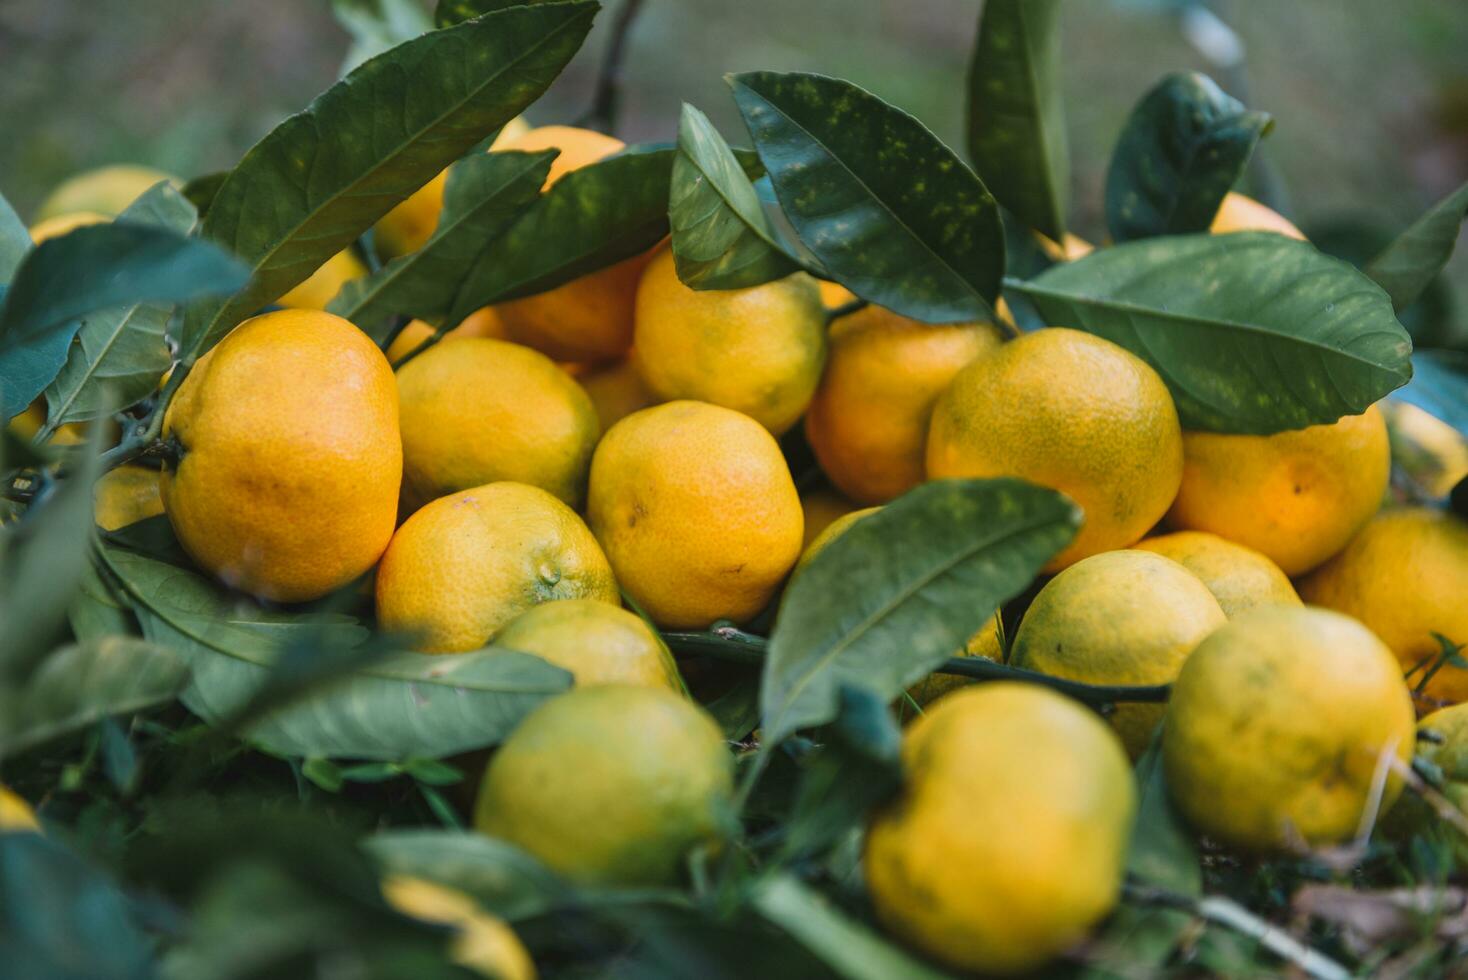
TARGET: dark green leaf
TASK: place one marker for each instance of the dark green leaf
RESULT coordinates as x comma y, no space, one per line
853,950
433,772
1406,266
201,190
42,560
15,240
91,269
323,773
737,708
95,612
1440,386
120,355
1253,332
119,758
62,920
17,452
77,686
372,772
1183,147
405,705
593,217
323,177
451,12
888,210
483,195
890,599
1162,851
500,876
722,238
377,25
1016,115
857,768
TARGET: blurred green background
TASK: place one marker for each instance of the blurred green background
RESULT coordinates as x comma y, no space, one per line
1371,99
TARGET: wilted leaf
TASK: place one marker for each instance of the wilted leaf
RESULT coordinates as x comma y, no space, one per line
850,948
77,686
888,210
722,238
120,355
593,217
1016,115
90,269
1185,144
483,195
15,240
1406,266
1253,332
890,599
400,706
1439,386
377,25
501,877
324,176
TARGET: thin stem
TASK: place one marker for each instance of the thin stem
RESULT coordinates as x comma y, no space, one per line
846,309
1230,914
606,99
427,342
736,646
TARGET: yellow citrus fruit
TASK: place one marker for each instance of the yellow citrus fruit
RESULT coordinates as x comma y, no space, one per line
820,508
106,190
477,411
1120,617
1405,575
1241,213
1296,497
833,294
484,943
696,510
406,227
611,785
1008,842
1278,725
15,813
1433,453
1070,411
480,323
868,421
1446,747
758,350
322,285
286,483
586,319
465,565
1240,578
63,223
1073,247
599,643
617,390
125,496
27,424
832,531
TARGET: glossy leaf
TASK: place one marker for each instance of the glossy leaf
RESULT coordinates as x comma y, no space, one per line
890,599
324,176
201,190
483,195
1253,332
1183,147
1016,113
890,212
91,269
402,706
377,25
1406,266
42,561
451,12
593,217
78,686
120,355
501,877
850,948
722,238
15,240
1440,386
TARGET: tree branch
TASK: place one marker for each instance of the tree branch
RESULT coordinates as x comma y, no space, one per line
606,99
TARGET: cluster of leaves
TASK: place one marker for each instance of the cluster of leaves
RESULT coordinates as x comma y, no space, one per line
184,723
